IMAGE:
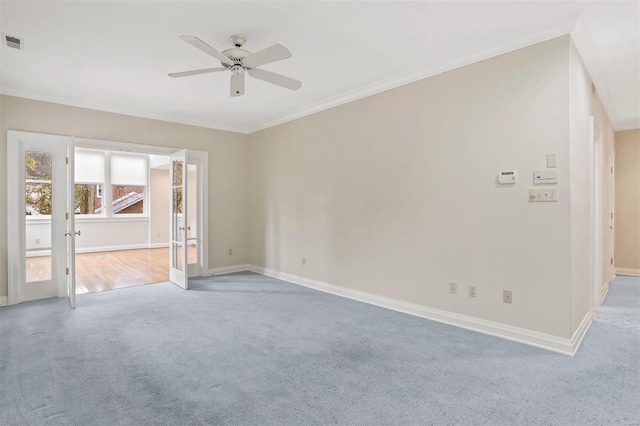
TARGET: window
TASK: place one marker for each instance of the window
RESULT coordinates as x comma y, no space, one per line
38,183
128,183
89,179
124,176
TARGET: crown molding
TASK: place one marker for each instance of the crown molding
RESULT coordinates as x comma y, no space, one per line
8,91
569,25
539,35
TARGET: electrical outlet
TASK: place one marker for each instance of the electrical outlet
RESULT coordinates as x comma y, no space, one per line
453,288
230,252
472,291
304,260
506,296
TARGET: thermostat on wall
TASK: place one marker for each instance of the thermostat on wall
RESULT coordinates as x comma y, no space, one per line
508,177
549,176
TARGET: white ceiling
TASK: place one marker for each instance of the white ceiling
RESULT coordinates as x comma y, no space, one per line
115,56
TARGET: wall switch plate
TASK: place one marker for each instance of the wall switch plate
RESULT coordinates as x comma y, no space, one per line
552,160
304,260
472,291
543,194
507,296
549,176
453,288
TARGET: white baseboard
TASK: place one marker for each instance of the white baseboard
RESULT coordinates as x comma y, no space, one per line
111,248
158,245
4,300
533,338
228,269
581,331
628,271
605,291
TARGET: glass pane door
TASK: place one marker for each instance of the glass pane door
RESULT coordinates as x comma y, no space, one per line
178,233
37,207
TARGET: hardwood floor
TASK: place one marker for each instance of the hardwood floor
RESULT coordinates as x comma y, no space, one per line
111,269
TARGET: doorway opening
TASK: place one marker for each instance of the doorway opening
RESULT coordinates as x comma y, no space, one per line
102,215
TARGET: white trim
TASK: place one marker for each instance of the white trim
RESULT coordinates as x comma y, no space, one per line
605,291
19,93
533,338
628,271
539,35
581,331
159,245
112,248
229,269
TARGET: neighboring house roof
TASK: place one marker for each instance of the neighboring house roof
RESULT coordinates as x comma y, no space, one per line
123,202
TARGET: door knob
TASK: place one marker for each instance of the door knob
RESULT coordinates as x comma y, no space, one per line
66,234
611,227
181,228
189,228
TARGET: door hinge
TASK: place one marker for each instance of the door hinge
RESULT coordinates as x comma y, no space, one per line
66,215
66,160
611,169
612,260
67,271
611,215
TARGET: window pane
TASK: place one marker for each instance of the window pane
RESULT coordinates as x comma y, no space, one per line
87,199
38,165
89,165
38,198
128,169
127,199
177,172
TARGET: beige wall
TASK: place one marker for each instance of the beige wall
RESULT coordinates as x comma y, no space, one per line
227,163
396,195
583,104
159,207
627,202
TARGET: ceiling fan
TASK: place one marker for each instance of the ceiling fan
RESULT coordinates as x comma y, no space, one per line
240,61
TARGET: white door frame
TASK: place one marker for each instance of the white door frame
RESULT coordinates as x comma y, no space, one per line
201,158
16,273
596,240
19,290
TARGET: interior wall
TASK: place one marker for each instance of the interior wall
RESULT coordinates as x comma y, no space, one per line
627,202
159,208
396,194
227,163
583,105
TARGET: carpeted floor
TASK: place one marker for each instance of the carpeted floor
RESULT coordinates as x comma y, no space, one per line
245,349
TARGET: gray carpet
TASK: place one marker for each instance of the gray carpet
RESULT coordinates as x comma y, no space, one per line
249,350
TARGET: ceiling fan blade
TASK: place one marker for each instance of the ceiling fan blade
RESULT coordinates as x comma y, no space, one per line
277,52
197,43
277,79
237,84
196,72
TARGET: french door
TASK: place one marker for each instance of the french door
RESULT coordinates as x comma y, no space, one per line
41,223
179,223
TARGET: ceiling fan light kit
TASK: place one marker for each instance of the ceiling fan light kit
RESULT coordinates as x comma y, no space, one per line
240,62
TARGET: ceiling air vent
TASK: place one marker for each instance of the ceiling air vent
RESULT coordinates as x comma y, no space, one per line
13,42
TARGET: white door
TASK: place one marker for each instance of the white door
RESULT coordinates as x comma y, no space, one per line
609,230
194,246
71,233
178,271
37,197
